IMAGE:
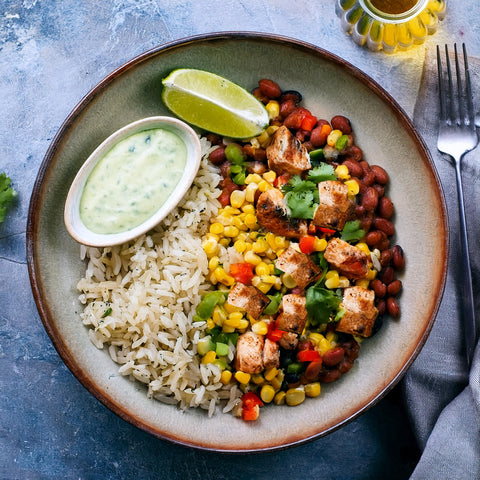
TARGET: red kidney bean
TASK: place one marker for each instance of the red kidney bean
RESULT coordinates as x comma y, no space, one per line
359,211
392,307
365,166
354,153
385,208
385,258
287,107
294,120
381,305
366,221
217,156
398,258
339,122
369,199
214,139
260,96
260,155
387,275
368,179
380,189
383,244
269,88
378,287
333,356
394,287
225,170
353,166
313,370
318,136
384,225
329,376
381,176
291,95
373,237
302,135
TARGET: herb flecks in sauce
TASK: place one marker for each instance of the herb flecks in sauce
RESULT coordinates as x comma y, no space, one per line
132,181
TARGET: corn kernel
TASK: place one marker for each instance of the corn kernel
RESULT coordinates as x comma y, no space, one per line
226,376
343,282
229,308
363,282
264,287
216,228
271,279
281,242
251,257
271,129
251,221
353,187
323,345
312,389
209,357
232,321
264,139
262,268
248,208
210,324
315,337
288,280
222,276
279,398
319,244
237,197
270,373
229,210
332,337
228,329
213,263
270,176
273,109
235,315
363,247
276,383
218,315
260,328
242,377
257,379
260,245
240,246
263,186
243,324
295,396
253,178
210,247
267,393
333,136
231,231
254,142
342,172
332,279
250,192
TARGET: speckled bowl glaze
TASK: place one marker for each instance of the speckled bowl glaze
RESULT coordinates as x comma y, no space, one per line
330,86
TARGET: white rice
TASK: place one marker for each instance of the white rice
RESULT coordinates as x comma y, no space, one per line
153,285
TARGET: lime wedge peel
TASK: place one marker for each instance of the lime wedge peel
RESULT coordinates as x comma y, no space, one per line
214,103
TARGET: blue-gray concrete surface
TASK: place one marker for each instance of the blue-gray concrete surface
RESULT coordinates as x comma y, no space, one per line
52,53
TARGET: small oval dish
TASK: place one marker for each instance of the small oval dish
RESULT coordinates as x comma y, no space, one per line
138,136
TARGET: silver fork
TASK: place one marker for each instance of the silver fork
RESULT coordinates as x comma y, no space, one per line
457,135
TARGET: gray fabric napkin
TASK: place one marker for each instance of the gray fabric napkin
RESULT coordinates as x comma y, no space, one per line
442,395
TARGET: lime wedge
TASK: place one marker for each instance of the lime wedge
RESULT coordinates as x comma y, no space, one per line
214,103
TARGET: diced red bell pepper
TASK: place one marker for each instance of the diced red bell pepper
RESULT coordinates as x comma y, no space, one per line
281,180
242,272
273,333
251,404
307,244
308,122
308,356
327,231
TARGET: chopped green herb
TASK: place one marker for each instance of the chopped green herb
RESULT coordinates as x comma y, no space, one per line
322,305
322,173
107,312
7,194
273,306
352,232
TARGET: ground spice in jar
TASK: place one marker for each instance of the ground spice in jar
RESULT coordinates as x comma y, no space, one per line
394,7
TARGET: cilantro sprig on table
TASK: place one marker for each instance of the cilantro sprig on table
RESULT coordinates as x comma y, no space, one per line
302,195
7,195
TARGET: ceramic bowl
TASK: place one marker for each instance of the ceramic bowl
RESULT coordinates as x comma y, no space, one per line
330,86
73,220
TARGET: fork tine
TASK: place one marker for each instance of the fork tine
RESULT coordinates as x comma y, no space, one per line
460,94
450,105
470,108
441,87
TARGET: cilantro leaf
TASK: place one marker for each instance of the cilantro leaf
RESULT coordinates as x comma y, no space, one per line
7,194
296,184
323,305
301,204
352,232
322,173
273,306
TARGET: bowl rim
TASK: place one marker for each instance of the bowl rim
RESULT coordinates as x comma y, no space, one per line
48,164
72,219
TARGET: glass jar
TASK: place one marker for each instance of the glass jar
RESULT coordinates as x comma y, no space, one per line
390,24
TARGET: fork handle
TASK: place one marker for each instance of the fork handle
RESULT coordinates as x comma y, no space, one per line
465,272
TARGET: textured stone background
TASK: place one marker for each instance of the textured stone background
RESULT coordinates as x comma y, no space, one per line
52,52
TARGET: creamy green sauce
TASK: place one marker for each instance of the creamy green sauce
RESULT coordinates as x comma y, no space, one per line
132,181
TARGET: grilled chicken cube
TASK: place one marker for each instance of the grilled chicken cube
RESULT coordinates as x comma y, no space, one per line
360,311
294,314
249,298
271,354
289,341
273,215
347,259
286,154
249,354
334,206
299,266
